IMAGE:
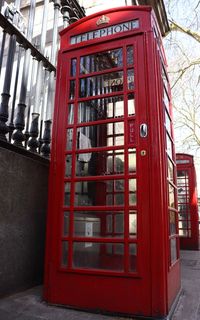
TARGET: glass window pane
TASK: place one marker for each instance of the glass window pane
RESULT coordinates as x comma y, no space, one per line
67,194
119,185
132,199
66,224
102,256
69,139
169,146
172,222
170,170
184,233
99,224
164,77
131,104
101,192
129,53
132,224
101,84
101,61
132,192
68,165
73,67
132,160
130,79
72,89
98,163
132,185
171,196
119,199
173,250
166,99
132,257
184,211
64,258
167,122
100,109
101,135
70,113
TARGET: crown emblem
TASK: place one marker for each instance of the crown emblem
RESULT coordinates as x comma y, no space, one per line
103,20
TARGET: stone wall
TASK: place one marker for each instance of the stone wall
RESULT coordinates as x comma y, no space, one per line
23,205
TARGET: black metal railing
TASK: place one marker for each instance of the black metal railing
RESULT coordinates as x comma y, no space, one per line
27,68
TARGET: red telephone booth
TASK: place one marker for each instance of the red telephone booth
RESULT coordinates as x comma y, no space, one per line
187,202
112,236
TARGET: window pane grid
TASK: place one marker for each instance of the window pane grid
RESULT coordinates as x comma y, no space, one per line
104,229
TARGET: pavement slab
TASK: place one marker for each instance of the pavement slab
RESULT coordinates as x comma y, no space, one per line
28,305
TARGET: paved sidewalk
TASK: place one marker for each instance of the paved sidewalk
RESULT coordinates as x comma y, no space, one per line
28,305
188,307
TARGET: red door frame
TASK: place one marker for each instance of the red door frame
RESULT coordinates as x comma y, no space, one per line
185,163
149,285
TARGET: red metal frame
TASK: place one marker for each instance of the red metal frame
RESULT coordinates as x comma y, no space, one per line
187,202
146,282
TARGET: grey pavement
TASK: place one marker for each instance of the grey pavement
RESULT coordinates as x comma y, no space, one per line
28,305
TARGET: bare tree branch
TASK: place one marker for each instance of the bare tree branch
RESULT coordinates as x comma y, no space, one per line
174,26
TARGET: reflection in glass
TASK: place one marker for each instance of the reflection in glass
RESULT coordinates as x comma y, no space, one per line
100,109
168,122
99,224
173,250
73,67
184,211
69,139
131,104
129,53
132,192
185,224
101,192
102,256
130,79
103,162
182,176
170,170
66,224
171,196
169,146
101,84
132,185
132,160
101,135
184,233
67,194
119,199
70,113
172,222
72,90
132,224
132,257
132,199
101,61
68,165
64,258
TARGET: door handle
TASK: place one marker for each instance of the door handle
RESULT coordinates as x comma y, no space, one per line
143,130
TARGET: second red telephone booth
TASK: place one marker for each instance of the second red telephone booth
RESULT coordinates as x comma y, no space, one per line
187,202
112,237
